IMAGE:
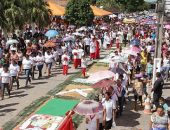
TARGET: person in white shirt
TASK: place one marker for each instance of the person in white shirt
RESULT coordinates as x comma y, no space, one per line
40,63
83,66
75,57
33,59
80,54
92,122
27,66
109,112
87,41
60,53
49,59
5,78
120,91
65,61
14,70
92,50
107,41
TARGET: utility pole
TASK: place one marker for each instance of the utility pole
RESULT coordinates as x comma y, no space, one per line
158,45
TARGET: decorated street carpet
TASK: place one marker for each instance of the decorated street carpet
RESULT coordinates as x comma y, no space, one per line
57,107
77,91
49,116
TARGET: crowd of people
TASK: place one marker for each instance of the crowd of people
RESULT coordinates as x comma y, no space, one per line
29,54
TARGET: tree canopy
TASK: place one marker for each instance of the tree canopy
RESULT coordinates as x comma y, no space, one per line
15,13
79,12
124,5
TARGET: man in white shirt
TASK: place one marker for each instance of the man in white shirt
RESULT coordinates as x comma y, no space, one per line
14,70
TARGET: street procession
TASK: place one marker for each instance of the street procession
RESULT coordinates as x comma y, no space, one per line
85,65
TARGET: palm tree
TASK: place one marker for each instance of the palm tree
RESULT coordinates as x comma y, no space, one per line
37,12
14,16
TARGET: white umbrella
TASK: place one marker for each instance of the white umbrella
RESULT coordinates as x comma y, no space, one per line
88,107
84,28
12,41
78,34
104,28
97,76
112,16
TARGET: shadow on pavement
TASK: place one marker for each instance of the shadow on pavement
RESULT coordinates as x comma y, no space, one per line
6,110
37,83
8,105
129,117
16,92
21,95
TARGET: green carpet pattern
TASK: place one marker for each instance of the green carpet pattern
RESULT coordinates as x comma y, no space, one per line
57,107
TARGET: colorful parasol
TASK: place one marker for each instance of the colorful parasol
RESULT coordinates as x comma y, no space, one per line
104,84
88,107
96,77
49,44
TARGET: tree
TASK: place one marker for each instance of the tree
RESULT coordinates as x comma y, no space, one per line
109,4
15,13
132,5
37,12
79,12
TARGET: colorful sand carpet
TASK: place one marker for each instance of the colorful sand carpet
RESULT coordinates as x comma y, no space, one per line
41,122
57,107
77,91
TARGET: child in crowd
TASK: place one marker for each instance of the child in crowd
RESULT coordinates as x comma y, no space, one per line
83,66
163,103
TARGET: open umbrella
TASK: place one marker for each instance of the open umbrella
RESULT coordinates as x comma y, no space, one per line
69,38
78,34
51,33
105,84
12,41
119,59
95,77
57,40
132,51
104,28
49,44
118,70
88,107
167,27
135,42
83,28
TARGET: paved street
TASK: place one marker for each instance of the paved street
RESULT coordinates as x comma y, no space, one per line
23,97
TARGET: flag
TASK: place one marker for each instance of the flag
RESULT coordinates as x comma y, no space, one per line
67,123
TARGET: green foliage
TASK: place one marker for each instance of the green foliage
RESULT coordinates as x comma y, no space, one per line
124,5
132,5
109,4
79,12
15,13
